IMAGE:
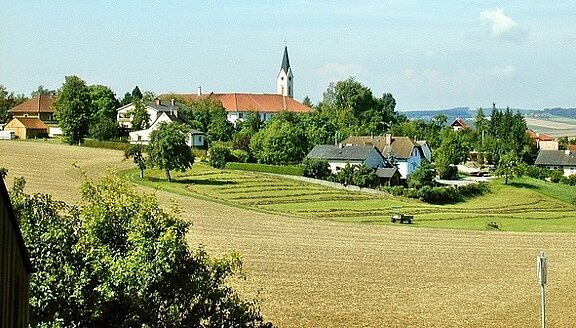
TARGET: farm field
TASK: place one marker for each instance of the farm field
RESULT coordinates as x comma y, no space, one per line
555,126
323,273
525,205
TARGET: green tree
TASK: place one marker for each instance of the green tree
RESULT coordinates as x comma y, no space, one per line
118,259
345,174
41,91
316,168
365,177
167,149
73,109
218,155
104,102
281,141
136,152
8,100
508,167
136,94
140,116
306,101
103,128
423,176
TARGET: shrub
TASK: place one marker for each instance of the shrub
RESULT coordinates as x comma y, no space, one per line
296,170
218,155
365,176
240,155
117,145
316,168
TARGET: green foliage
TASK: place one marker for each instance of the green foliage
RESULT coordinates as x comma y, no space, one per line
103,128
365,177
119,260
281,141
296,170
316,168
447,195
136,153
208,115
219,155
136,94
93,143
140,116
556,175
168,150
345,174
424,175
508,167
104,102
240,155
7,102
73,109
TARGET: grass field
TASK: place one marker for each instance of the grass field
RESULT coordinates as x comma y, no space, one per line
524,205
322,273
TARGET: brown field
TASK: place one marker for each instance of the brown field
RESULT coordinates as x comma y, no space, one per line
314,273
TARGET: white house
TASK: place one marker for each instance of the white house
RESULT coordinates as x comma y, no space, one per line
154,110
338,156
557,159
195,138
408,154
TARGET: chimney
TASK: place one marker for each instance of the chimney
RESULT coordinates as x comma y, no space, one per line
199,90
172,102
388,139
158,101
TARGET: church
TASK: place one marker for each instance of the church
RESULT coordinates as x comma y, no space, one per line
238,105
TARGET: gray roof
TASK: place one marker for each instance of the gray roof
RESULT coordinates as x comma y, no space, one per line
163,107
346,153
285,62
386,172
555,158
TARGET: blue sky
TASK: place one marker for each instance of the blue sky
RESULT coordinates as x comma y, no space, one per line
428,54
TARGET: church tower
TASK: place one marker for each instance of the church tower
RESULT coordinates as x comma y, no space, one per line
285,79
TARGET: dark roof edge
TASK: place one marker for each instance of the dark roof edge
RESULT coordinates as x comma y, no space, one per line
15,227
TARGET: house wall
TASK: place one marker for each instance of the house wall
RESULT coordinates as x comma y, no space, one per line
568,170
548,145
374,160
241,115
335,166
14,276
407,166
19,129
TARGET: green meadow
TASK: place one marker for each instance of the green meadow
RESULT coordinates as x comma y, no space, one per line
524,204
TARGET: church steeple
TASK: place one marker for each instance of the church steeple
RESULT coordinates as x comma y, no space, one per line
285,79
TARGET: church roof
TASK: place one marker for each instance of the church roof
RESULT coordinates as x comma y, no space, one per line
285,61
242,102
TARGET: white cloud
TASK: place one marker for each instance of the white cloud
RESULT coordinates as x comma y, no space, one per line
505,71
337,71
501,26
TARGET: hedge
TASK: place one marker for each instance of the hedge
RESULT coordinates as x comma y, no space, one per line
118,145
278,169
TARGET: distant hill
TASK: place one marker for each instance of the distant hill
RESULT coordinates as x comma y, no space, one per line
466,112
564,112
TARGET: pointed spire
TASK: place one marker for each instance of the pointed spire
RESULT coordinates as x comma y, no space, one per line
285,62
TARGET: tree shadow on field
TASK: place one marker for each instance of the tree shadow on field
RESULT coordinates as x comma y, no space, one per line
522,185
195,182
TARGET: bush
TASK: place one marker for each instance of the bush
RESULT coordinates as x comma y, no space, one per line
219,155
448,195
365,177
296,170
240,155
117,145
316,168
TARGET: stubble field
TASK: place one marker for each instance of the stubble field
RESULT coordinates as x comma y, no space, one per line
317,273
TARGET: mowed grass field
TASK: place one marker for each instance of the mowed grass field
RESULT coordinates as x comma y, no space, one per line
323,273
523,205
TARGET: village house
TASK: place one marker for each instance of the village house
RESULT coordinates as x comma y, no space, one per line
407,154
338,156
194,138
154,110
35,118
564,160
239,105
542,140
459,124
15,267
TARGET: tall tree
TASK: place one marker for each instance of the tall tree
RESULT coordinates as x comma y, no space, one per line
7,101
118,259
136,153
73,107
140,116
104,101
136,94
41,91
168,150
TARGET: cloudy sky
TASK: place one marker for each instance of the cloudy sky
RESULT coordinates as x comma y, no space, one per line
429,54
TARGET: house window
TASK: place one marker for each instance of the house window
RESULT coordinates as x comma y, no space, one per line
25,115
240,115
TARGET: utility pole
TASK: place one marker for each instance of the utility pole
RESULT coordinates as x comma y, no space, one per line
542,272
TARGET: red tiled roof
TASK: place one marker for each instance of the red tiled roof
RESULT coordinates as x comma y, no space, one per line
460,122
38,104
539,136
31,123
234,102
572,149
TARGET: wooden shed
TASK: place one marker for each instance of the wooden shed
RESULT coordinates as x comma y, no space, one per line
15,268
27,128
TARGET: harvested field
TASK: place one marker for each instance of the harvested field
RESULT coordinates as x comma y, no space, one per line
317,273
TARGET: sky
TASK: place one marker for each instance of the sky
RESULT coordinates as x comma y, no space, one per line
429,54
